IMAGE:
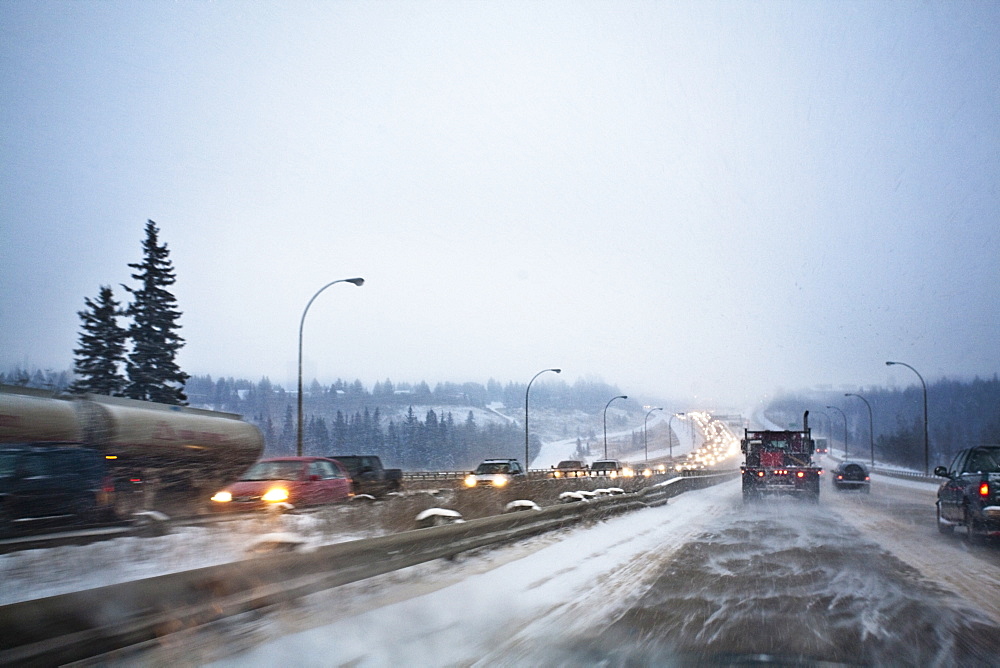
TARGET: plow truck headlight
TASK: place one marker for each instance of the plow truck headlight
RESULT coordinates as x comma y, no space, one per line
275,495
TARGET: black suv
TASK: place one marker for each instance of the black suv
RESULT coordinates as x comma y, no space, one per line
851,475
971,497
50,484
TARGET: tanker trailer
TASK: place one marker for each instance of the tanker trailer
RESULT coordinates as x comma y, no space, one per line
163,457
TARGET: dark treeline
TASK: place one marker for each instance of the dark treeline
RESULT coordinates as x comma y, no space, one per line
347,418
227,394
433,443
959,414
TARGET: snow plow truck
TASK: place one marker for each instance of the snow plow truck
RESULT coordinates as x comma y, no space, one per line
780,462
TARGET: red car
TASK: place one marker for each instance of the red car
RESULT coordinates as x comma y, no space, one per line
296,481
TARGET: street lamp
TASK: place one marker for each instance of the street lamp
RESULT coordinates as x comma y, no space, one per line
871,424
355,281
927,456
645,443
620,396
526,414
845,428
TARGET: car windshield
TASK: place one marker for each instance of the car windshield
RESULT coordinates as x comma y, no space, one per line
488,468
604,465
277,470
568,464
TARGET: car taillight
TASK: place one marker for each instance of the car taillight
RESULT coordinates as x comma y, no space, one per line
984,489
108,485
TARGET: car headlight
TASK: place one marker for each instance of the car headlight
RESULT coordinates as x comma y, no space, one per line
501,480
470,481
222,497
275,495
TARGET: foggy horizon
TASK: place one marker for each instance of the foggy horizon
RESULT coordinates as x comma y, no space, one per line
702,202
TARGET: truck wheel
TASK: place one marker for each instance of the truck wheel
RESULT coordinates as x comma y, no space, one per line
943,528
971,536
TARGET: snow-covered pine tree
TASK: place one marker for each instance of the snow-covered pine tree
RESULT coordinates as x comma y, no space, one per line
153,374
101,355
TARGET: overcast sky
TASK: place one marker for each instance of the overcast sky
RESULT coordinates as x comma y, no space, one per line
692,200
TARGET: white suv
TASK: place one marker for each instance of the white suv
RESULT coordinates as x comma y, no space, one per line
495,473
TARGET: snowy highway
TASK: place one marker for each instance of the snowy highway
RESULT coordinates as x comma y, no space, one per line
857,579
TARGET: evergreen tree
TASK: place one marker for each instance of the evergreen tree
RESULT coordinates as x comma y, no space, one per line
99,359
153,374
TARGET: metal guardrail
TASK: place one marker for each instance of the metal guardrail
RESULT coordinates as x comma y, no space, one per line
434,475
79,625
911,475
894,473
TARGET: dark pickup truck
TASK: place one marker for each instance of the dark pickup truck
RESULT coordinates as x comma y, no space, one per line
970,498
369,477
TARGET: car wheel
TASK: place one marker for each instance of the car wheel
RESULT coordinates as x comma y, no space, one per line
942,526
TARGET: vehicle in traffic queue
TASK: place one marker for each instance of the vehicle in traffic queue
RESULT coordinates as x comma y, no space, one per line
294,482
970,498
851,475
495,473
611,468
54,483
368,476
569,468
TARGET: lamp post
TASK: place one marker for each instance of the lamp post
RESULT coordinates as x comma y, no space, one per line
871,424
645,443
620,396
845,427
526,414
927,456
670,433
355,281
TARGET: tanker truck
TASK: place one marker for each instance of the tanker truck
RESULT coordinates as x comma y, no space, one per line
161,457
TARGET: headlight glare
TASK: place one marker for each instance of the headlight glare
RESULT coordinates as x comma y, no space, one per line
275,495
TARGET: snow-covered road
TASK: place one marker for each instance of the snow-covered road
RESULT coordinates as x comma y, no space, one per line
859,578
487,606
